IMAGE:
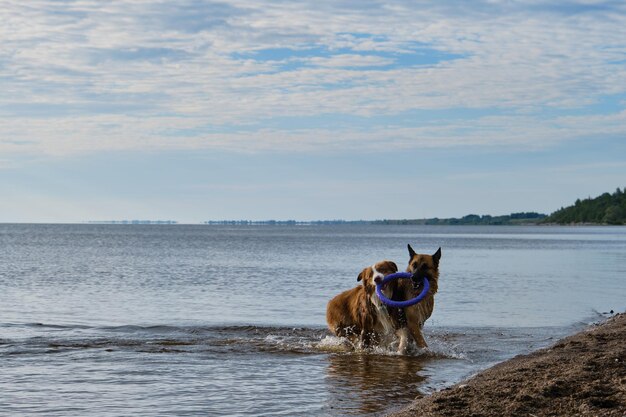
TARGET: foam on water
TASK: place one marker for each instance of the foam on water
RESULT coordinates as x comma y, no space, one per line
43,337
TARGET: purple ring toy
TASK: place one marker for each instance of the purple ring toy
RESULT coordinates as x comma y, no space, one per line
400,304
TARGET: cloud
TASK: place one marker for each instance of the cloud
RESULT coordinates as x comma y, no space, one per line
62,136
79,76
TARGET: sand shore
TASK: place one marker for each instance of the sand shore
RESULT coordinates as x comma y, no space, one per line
581,375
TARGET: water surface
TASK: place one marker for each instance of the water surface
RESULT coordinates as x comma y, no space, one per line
218,320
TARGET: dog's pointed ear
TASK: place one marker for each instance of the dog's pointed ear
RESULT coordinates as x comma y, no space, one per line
411,251
360,277
437,256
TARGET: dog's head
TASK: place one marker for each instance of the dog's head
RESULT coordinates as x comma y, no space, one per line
374,274
424,265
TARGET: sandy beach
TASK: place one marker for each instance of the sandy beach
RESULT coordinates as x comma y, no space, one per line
581,375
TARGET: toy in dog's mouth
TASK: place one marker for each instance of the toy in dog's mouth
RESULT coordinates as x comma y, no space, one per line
418,278
400,304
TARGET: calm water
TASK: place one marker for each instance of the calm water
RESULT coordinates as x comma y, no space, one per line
216,320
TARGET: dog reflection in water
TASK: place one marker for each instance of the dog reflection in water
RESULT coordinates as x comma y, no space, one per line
364,384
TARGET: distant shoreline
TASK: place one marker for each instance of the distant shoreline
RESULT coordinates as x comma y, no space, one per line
308,223
470,219
606,209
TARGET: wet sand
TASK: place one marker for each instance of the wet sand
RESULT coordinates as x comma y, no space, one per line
581,375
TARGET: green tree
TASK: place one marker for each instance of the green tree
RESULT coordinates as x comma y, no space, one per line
613,215
606,208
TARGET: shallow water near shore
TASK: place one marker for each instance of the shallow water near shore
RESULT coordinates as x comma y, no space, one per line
218,320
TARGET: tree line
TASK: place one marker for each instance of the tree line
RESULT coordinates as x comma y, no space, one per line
604,209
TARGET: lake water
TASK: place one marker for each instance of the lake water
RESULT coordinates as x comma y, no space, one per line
217,320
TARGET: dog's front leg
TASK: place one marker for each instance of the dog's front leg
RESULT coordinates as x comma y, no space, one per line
403,335
416,332
365,339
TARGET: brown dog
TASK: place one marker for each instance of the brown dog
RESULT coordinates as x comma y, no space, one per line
358,314
420,266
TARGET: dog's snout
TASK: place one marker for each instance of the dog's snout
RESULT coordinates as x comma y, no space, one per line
378,279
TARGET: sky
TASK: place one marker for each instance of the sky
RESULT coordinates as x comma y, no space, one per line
196,110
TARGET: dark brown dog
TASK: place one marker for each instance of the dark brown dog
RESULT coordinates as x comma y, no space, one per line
358,314
420,266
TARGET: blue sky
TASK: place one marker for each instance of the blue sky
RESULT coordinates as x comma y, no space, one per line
197,110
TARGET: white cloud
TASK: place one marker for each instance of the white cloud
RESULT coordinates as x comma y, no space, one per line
78,76
61,136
